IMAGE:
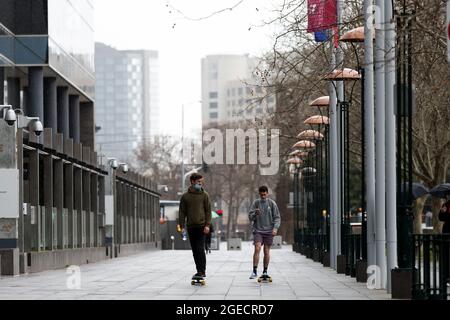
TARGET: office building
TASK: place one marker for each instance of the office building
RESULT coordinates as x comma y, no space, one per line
127,99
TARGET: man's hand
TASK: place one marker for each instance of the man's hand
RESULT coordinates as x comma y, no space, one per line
274,232
206,230
257,211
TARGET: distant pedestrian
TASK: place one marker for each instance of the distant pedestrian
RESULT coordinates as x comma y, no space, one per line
195,216
266,220
444,215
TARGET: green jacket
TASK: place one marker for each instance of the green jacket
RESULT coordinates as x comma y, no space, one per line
195,207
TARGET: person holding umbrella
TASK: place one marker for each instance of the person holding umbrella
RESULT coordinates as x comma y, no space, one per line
444,215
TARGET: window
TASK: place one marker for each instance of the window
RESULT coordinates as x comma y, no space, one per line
213,95
240,91
213,105
213,115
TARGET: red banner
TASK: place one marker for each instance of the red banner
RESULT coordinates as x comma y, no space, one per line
322,15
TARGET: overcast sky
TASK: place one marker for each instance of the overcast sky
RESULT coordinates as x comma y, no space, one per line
181,42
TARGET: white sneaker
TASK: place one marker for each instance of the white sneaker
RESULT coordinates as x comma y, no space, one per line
253,275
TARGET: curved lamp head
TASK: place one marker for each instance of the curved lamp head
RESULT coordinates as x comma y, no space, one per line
310,134
317,120
345,74
321,102
299,153
353,35
294,160
304,144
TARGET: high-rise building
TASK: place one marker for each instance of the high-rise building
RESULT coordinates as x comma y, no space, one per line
229,90
127,99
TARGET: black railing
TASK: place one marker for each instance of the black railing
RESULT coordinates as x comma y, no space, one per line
431,255
353,253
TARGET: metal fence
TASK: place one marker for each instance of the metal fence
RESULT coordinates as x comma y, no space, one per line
431,255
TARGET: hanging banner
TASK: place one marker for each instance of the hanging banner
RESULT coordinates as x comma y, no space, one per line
322,15
321,36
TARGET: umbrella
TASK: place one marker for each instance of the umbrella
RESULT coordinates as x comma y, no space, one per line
214,215
441,191
418,190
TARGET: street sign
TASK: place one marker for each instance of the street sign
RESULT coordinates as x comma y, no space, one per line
448,29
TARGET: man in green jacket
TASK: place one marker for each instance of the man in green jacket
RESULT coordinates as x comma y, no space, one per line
195,215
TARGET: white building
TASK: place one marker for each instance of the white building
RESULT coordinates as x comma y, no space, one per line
228,90
126,99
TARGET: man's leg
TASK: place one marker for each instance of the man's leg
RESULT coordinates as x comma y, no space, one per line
268,241
266,257
197,240
256,255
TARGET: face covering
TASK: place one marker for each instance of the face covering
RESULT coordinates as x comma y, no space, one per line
198,187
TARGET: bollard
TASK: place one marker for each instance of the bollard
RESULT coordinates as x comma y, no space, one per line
234,244
277,242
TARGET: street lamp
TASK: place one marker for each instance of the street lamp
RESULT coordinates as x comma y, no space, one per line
182,142
318,200
296,162
344,75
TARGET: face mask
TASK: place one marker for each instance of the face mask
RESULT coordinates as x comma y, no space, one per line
198,187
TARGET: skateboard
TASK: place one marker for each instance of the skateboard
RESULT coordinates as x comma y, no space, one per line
196,280
265,278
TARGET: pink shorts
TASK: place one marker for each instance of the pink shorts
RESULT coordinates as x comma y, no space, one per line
263,238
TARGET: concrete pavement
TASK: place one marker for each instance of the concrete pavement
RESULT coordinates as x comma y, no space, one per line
165,275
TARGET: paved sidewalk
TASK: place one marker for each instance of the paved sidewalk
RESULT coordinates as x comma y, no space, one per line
165,275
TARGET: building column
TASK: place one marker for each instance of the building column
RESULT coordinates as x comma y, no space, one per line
87,124
74,118
13,88
35,101
50,104
63,111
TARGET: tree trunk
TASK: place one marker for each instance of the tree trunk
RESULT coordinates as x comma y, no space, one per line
418,209
437,225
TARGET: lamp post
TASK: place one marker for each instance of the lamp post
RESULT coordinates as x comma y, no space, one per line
305,145
342,76
353,37
295,162
402,276
319,203
183,106
320,103
114,165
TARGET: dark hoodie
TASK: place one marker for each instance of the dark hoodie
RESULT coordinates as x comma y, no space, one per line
195,206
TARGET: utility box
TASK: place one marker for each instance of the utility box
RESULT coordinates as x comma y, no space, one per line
234,244
277,242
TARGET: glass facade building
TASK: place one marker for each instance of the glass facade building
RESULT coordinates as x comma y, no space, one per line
127,99
54,33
